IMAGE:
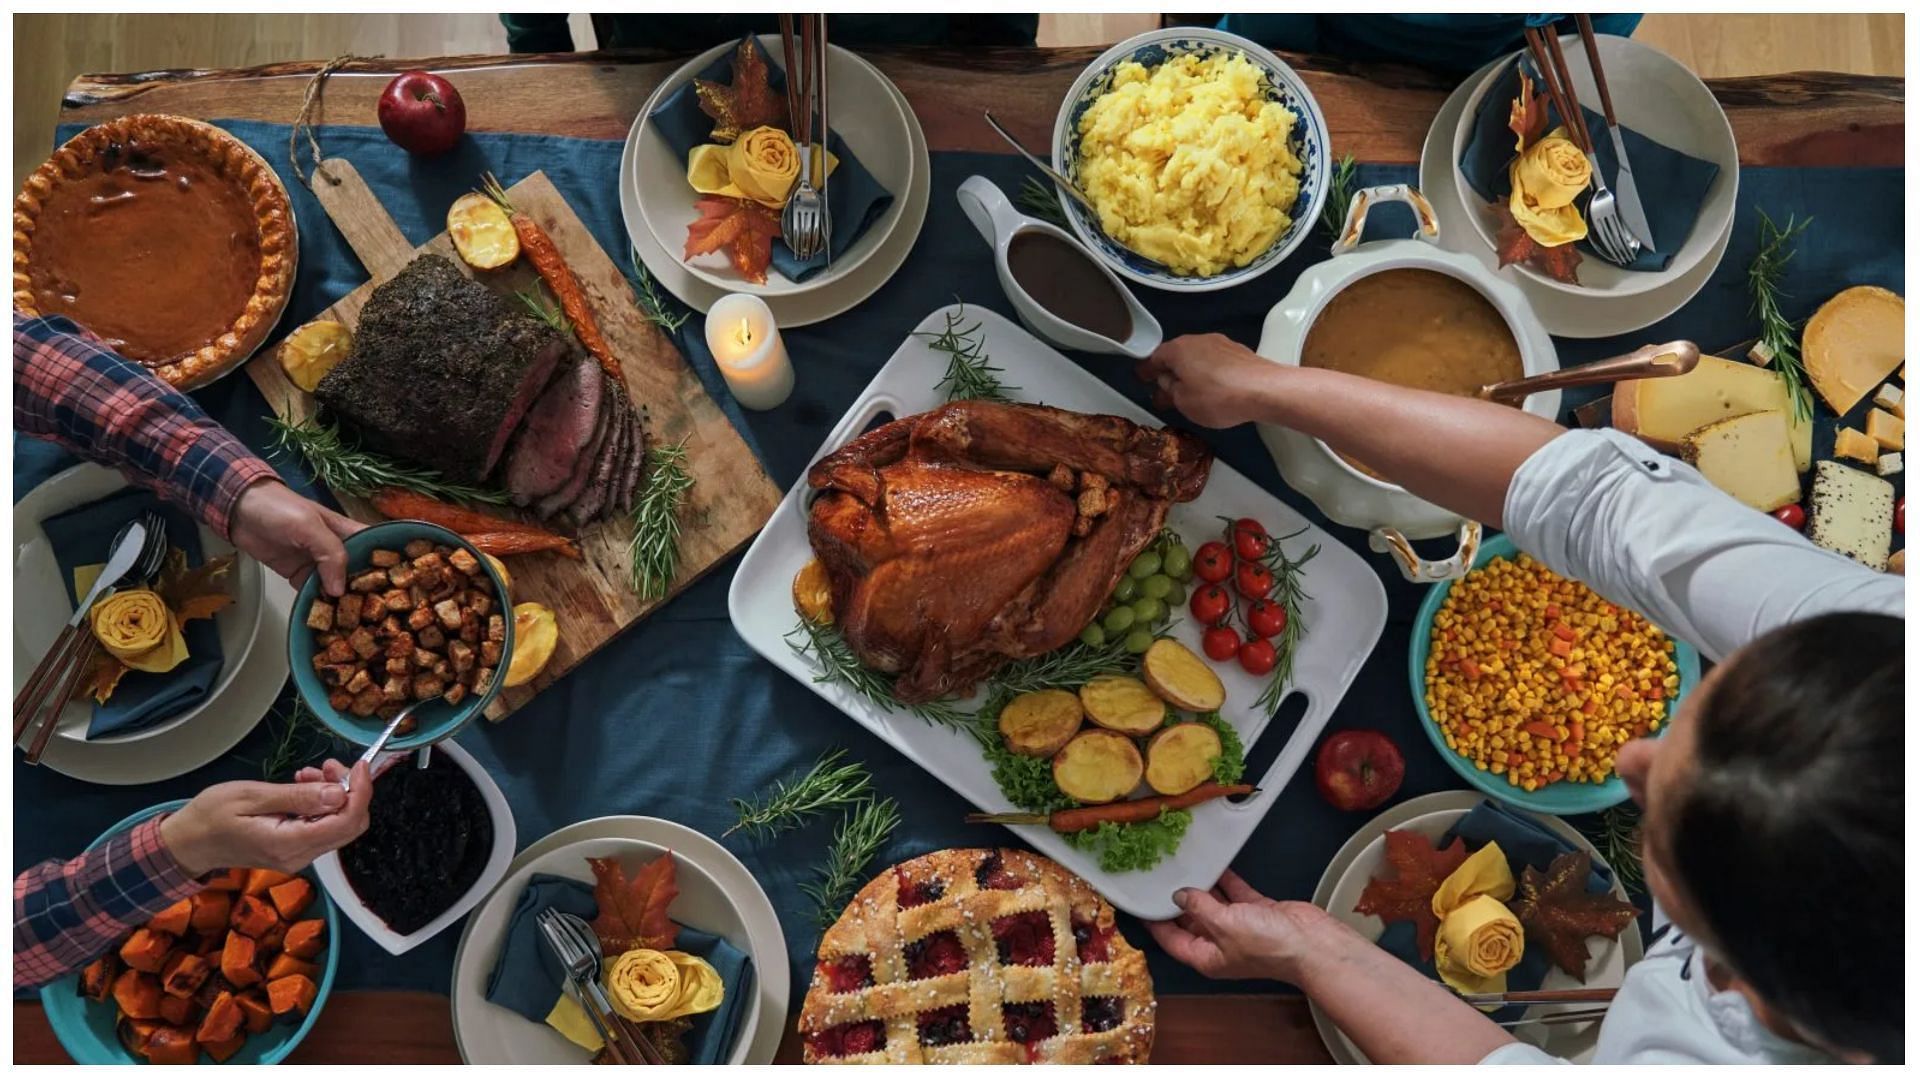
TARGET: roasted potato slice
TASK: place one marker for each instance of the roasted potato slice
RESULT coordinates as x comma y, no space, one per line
1039,723
1123,703
813,595
1097,766
535,633
313,350
1181,677
1180,758
482,235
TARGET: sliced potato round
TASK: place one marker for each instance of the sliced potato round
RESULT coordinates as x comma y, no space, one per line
1097,766
535,633
312,351
1177,674
1181,758
481,233
813,593
1123,703
1039,723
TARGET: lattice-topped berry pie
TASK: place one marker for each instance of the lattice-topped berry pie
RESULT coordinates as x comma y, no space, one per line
978,956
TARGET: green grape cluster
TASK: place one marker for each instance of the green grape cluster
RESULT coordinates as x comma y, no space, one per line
1152,589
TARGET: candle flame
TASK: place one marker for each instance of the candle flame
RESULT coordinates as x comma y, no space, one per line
745,334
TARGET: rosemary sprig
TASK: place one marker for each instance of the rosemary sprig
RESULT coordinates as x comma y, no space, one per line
1777,332
346,468
1617,834
659,311
1042,201
788,804
1072,666
547,311
862,833
970,374
295,738
653,555
1288,593
1333,213
839,666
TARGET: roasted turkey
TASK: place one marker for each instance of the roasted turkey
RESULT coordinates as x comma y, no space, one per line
977,533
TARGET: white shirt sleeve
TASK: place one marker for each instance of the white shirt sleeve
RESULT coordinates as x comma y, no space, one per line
1648,532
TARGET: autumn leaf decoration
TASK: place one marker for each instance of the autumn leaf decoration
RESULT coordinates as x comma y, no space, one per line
742,228
197,593
633,911
745,103
1527,119
1559,914
1408,896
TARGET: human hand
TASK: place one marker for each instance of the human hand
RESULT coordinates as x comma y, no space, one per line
292,534
1211,378
274,826
1233,932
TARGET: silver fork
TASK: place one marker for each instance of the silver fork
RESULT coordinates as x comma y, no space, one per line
803,224
584,948
1611,236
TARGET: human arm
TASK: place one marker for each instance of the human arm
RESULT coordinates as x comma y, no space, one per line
1394,1014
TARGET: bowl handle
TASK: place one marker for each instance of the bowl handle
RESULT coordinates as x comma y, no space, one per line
1364,200
1421,571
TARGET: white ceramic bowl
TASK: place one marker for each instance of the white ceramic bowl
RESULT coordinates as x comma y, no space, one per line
1283,85
334,878
863,110
1657,96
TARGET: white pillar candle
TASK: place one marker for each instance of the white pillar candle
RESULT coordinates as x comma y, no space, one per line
747,346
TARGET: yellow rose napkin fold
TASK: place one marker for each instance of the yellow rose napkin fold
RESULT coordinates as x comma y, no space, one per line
1546,178
644,985
762,165
1479,939
134,625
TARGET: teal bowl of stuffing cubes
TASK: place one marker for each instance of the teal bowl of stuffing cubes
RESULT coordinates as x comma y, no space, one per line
1561,796
436,719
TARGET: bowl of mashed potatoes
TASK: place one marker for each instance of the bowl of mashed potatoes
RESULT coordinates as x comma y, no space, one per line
1204,154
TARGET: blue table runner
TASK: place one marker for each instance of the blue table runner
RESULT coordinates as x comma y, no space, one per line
677,714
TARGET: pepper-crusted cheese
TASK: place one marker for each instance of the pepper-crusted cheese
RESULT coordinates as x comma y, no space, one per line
1852,513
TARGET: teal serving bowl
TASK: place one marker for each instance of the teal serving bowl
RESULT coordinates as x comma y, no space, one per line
436,719
87,1028
1560,797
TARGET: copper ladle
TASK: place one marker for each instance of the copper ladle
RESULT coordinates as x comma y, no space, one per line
1645,362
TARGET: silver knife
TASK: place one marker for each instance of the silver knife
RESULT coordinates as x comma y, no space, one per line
556,952
1626,193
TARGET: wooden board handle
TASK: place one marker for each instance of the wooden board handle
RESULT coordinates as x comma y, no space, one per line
383,249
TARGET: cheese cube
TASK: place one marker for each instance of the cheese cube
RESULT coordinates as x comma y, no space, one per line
1852,513
1849,443
1761,354
1749,457
1887,429
1663,411
1890,398
1889,464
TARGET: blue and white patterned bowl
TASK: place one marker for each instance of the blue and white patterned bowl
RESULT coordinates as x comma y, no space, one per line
1281,84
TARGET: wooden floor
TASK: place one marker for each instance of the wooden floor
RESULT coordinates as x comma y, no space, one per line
49,50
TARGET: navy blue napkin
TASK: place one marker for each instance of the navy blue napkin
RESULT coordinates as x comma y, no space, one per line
1525,843
1672,185
855,199
82,536
523,978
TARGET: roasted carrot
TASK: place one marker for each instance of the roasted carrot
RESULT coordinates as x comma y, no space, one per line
399,503
521,543
290,898
237,961
210,910
222,1021
173,920
306,938
293,992
137,994
146,950
1081,818
253,916
545,256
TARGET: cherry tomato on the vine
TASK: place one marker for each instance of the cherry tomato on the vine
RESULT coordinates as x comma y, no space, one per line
1213,562
1221,643
1249,540
1258,657
1266,619
1253,580
1792,515
1210,604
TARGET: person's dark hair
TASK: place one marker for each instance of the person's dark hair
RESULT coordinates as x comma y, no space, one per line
1787,836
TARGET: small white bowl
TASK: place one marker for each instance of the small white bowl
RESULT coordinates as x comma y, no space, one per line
1657,96
334,878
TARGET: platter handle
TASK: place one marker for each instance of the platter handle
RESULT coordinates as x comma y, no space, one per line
1423,571
383,249
1366,198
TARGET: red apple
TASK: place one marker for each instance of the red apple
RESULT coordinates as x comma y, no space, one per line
1358,770
422,113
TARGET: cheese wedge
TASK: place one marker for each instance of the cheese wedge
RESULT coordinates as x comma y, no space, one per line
1892,399
1889,464
1853,343
1887,429
1858,445
1664,411
1749,457
1852,513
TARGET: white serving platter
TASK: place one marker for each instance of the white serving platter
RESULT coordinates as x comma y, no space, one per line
1345,613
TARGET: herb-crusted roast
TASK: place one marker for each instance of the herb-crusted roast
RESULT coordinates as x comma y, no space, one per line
442,370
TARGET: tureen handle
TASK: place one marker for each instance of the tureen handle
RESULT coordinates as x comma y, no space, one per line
1366,198
1421,571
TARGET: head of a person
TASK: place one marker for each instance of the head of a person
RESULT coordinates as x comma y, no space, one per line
1773,828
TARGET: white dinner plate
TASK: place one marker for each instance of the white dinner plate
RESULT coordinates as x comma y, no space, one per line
848,287
1563,314
1363,856
717,894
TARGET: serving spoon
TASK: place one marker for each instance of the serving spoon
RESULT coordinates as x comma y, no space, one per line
380,743
1645,362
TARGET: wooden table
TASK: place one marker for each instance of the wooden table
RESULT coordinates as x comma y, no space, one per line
1378,114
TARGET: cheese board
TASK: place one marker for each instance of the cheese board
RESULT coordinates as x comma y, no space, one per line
1344,613
731,496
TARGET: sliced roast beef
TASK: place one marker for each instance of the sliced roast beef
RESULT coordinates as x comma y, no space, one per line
441,371
635,465
596,498
558,430
564,496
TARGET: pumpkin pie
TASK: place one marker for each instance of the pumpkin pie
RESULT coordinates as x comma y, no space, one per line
167,238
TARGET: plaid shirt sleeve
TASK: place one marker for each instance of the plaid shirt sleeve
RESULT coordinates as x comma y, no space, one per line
67,913
71,389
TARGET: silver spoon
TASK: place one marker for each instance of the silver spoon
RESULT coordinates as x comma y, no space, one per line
1066,185
380,743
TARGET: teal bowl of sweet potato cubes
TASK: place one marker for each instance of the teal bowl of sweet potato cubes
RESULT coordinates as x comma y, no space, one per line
1560,796
426,617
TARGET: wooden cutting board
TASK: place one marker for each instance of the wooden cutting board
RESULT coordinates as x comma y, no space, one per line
731,496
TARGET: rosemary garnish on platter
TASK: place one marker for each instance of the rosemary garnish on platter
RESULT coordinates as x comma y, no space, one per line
1288,593
840,667
347,469
653,555
659,310
787,804
862,833
1071,667
545,310
1333,214
970,376
1042,201
1778,336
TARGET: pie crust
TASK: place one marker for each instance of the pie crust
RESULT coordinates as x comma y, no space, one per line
167,238
978,956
